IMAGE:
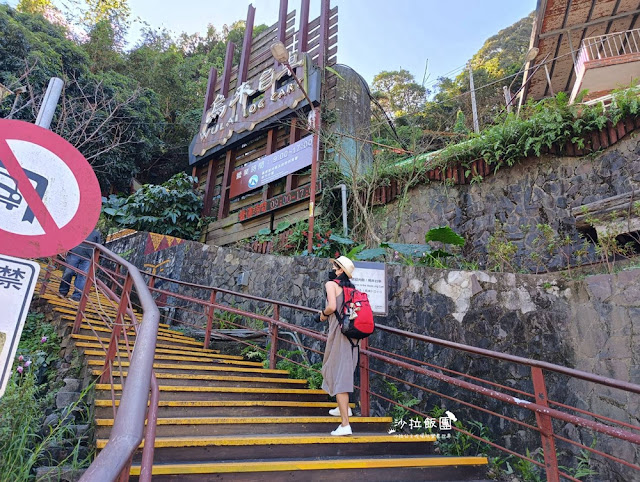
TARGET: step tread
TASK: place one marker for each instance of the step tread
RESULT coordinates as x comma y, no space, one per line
230,378
311,464
187,388
161,329
276,439
211,368
199,359
213,354
181,339
252,420
106,402
91,338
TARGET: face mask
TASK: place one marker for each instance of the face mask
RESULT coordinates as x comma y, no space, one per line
332,275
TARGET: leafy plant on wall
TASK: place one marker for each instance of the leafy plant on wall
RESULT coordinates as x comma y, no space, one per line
173,208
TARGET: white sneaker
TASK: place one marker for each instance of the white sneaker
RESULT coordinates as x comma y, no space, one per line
342,430
336,412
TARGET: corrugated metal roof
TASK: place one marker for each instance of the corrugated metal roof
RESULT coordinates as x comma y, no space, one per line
558,31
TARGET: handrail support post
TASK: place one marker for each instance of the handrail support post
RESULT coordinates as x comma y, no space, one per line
546,427
273,330
207,334
114,342
365,392
91,270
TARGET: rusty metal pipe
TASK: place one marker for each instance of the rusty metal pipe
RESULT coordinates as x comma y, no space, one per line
128,427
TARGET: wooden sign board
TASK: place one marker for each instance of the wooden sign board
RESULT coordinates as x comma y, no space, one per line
277,202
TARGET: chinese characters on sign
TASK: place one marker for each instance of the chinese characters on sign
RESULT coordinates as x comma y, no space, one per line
276,202
371,278
272,167
17,282
11,277
252,102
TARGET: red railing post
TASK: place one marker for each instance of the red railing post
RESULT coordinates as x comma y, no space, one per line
124,475
546,427
91,271
152,281
207,333
114,281
365,393
146,465
47,276
114,342
273,331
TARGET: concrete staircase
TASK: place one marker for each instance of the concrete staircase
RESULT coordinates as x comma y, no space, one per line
222,417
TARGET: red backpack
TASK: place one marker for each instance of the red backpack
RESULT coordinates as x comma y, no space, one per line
355,316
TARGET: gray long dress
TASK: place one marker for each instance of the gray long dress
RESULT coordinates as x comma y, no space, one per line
340,359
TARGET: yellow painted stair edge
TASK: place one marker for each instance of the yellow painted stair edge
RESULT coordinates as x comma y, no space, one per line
117,373
178,351
165,442
184,340
187,388
161,345
290,465
230,403
212,368
199,359
107,422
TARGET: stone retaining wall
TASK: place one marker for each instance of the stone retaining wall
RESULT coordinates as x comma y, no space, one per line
591,325
535,191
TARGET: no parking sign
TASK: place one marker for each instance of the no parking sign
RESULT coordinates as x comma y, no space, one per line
49,203
49,195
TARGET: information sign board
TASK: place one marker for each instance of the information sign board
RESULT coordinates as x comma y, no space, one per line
371,278
18,279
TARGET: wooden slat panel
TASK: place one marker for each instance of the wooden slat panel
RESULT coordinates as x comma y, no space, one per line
238,231
248,199
261,38
266,42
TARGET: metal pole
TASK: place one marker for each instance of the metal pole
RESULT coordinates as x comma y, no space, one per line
507,97
476,125
345,225
314,121
49,103
546,71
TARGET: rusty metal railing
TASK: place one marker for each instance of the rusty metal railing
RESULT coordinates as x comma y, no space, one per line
114,461
233,316
208,310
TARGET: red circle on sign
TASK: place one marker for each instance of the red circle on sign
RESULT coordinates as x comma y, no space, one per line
55,239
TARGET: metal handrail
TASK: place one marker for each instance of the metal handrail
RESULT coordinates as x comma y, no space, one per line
540,406
129,424
611,382
606,46
124,442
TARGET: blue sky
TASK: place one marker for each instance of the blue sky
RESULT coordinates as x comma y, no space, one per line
373,35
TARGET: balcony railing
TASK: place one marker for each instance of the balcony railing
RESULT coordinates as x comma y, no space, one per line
607,46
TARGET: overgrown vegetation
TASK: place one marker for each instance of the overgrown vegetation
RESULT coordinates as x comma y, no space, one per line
131,110
24,443
294,361
173,208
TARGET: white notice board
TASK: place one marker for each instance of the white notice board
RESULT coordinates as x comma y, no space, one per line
371,278
18,279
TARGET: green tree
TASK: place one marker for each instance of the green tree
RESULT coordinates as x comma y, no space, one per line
171,208
34,6
398,92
